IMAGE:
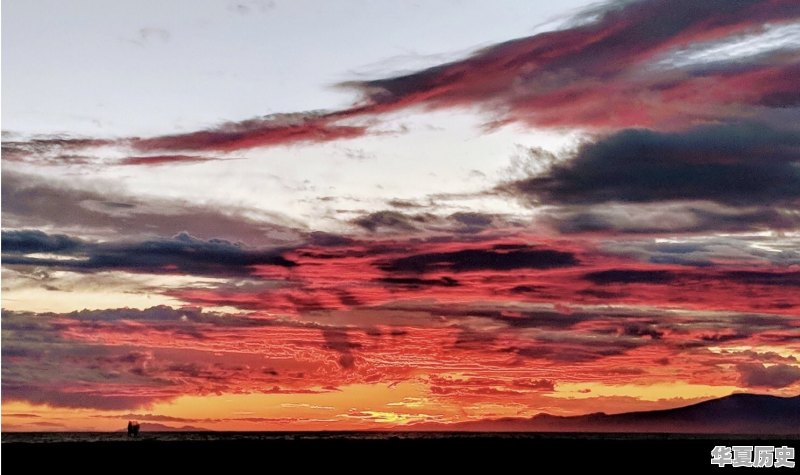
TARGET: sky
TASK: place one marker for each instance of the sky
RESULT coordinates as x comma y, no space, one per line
307,215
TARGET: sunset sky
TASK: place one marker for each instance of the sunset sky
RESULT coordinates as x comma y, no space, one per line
304,215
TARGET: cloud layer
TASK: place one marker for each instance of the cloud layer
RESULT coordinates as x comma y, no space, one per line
652,262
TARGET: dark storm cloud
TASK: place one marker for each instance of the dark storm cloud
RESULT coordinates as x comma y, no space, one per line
734,164
480,259
616,276
413,282
667,277
182,254
512,318
642,330
31,241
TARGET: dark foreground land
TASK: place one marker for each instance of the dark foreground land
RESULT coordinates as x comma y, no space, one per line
369,452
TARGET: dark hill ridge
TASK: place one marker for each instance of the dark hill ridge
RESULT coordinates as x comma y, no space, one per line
734,414
156,427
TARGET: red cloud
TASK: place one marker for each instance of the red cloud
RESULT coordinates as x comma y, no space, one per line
163,159
275,130
369,275
602,74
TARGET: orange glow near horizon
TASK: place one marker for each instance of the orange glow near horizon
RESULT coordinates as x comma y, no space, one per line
404,406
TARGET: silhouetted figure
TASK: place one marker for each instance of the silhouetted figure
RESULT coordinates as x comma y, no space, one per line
133,428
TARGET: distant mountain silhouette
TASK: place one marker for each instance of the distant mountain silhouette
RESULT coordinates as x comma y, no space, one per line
155,427
734,414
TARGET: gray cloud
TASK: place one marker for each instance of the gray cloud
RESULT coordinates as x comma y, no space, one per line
775,376
182,253
647,218
704,251
401,222
669,277
505,258
32,201
734,164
